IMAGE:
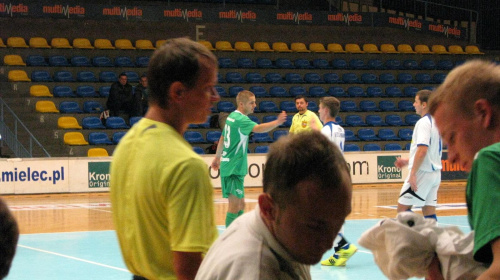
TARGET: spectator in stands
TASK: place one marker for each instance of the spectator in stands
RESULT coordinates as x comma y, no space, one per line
161,193
467,111
9,235
293,224
141,96
231,154
120,99
421,186
302,120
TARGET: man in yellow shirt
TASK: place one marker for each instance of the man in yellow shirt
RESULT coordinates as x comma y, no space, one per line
304,118
161,193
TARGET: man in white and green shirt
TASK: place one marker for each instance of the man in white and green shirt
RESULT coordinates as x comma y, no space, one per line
231,155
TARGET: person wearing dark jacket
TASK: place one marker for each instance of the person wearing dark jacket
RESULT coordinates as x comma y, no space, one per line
120,99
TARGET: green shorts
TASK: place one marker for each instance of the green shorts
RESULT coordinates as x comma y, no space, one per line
233,185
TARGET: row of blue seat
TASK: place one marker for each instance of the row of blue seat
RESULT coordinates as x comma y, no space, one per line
332,78
339,63
101,138
81,76
84,61
93,122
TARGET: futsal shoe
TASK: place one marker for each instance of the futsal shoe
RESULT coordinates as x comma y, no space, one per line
334,260
341,256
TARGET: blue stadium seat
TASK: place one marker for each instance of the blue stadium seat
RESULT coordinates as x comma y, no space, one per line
102,61
313,78
40,76
312,106
63,76
255,119
372,147
36,60
198,150
58,60
80,61
278,133
99,138
206,124
288,106
261,137
392,147
356,92
375,64
213,136
387,78
357,64
278,91
234,90
410,91
369,78
427,64
302,63
226,62
268,106
124,61
410,64
142,61
132,76
405,78
374,92
332,78
337,92
350,78
274,78
339,64
254,77
234,77
116,123
104,91
284,63
412,119
193,137
92,107
321,63
265,63
351,148
221,91
293,78
349,135
444,64
431,88
393,64
297,90
374,120
262,149
394,120
134,120
367,134
387,106
245,62
368,106
86,76
339,121
63,91
267,119
69,107
92,123
108,77
405,134
438,78
225,106
288,121
86,91
258,91
348,106
317,91
393,92
117,136
354,120
407,146
423,78
405,105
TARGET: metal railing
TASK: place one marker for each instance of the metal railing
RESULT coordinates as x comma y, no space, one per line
10,137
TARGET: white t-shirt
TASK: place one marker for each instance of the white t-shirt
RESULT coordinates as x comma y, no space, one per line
426,133
335,133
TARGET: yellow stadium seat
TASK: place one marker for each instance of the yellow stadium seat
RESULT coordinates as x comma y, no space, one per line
335,48
473,50
2,45
439,49
353,48
97,152
207,44
18,76
456,49
39,43
82,43
16,42
243,47
144,45
40,91
405,48
299,47
423,49
103,44
262,47
224,46
68,123
388,48
13,59
317,48
44,106
74,139
371,48
124,44
60,43
159,43
281,47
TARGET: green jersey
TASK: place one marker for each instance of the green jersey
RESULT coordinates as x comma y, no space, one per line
234,154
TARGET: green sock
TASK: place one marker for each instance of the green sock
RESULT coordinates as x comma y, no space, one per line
241,212
230,217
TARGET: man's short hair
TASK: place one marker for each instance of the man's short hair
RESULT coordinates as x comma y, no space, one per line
423,95
300,97
302,156
177,60
9,235
332,103
122,74
244,96
467,83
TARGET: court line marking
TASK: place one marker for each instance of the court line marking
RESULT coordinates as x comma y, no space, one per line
73,258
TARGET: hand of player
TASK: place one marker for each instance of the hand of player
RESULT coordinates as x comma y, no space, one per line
313,124
215,163
401,162
413,182
281,117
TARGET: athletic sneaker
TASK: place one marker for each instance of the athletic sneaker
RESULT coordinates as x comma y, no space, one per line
341,256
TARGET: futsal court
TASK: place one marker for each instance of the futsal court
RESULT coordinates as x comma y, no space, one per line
71,236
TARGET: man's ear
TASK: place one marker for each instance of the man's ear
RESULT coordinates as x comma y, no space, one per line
267,207
176,91
484,111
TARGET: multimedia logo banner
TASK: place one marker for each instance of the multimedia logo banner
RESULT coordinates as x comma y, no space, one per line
386,168
98,174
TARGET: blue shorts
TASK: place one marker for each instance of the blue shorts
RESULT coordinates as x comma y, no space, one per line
233,185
